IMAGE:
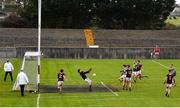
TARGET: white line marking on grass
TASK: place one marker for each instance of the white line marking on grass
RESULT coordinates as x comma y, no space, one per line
38,98
160,64
64,96
109,89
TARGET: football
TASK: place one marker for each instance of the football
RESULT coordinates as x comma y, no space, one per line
94,74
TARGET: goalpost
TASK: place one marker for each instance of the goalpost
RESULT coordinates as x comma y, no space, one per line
34,58
30,67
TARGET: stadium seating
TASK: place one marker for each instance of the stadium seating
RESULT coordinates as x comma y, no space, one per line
74,38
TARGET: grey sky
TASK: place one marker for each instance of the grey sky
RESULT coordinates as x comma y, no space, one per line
177,1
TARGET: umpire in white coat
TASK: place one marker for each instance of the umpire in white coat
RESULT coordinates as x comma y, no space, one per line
22,80
8,68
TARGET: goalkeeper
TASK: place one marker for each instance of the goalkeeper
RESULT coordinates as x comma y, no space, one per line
83,75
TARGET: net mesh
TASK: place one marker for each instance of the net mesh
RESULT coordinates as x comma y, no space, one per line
30,67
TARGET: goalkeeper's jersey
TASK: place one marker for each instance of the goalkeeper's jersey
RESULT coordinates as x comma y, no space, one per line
83,74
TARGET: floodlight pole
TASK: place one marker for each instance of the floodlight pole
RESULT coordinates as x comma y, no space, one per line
39,43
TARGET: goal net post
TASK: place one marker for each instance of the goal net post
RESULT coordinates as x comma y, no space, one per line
30,67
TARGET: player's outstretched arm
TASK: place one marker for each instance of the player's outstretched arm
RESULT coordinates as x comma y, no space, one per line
88,71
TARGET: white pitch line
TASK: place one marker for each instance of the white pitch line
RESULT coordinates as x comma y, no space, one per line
160,64
109,89
38,99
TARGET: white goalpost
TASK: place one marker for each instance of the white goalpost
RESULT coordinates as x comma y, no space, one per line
31,61
30,67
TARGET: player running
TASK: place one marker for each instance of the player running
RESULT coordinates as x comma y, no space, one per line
169,82
134,73
83,75
60,78
127,85
137,71
123,74
173,71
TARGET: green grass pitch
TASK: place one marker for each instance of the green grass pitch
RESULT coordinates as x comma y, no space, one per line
148,92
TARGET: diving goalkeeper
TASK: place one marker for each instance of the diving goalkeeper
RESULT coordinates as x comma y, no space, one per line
83,75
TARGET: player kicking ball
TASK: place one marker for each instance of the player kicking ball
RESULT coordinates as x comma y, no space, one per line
86,79
169,82
60,78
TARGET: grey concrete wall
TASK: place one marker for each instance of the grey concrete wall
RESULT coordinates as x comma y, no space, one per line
9,52
101,53
74,38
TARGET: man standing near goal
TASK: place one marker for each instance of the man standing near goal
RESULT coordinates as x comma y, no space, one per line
8,68
60,78
22,80
83,75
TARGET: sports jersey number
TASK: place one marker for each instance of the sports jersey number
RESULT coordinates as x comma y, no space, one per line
169,78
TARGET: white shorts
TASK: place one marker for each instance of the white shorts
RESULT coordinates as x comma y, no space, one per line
60,83
135,73
168,85
88,81
128,79
123,77
156,53
139,72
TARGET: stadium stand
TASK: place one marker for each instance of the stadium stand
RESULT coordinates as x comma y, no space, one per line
74,38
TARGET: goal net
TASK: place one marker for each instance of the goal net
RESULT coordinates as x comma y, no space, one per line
30,67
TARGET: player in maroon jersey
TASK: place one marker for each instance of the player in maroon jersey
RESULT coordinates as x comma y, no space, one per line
169,82
156,52
127,84
60,78
139,70
122,77
173,72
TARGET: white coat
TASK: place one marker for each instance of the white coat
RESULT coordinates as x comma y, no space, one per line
22,78
8,67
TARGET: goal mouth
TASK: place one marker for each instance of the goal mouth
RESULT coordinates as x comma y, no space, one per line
77,88
30,67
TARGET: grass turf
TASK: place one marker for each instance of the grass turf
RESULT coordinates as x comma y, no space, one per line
146,92
175,22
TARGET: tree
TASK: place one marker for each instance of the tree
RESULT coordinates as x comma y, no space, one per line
134,14
111,14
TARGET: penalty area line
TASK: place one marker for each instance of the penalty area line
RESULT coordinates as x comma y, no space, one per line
38,99
109,89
